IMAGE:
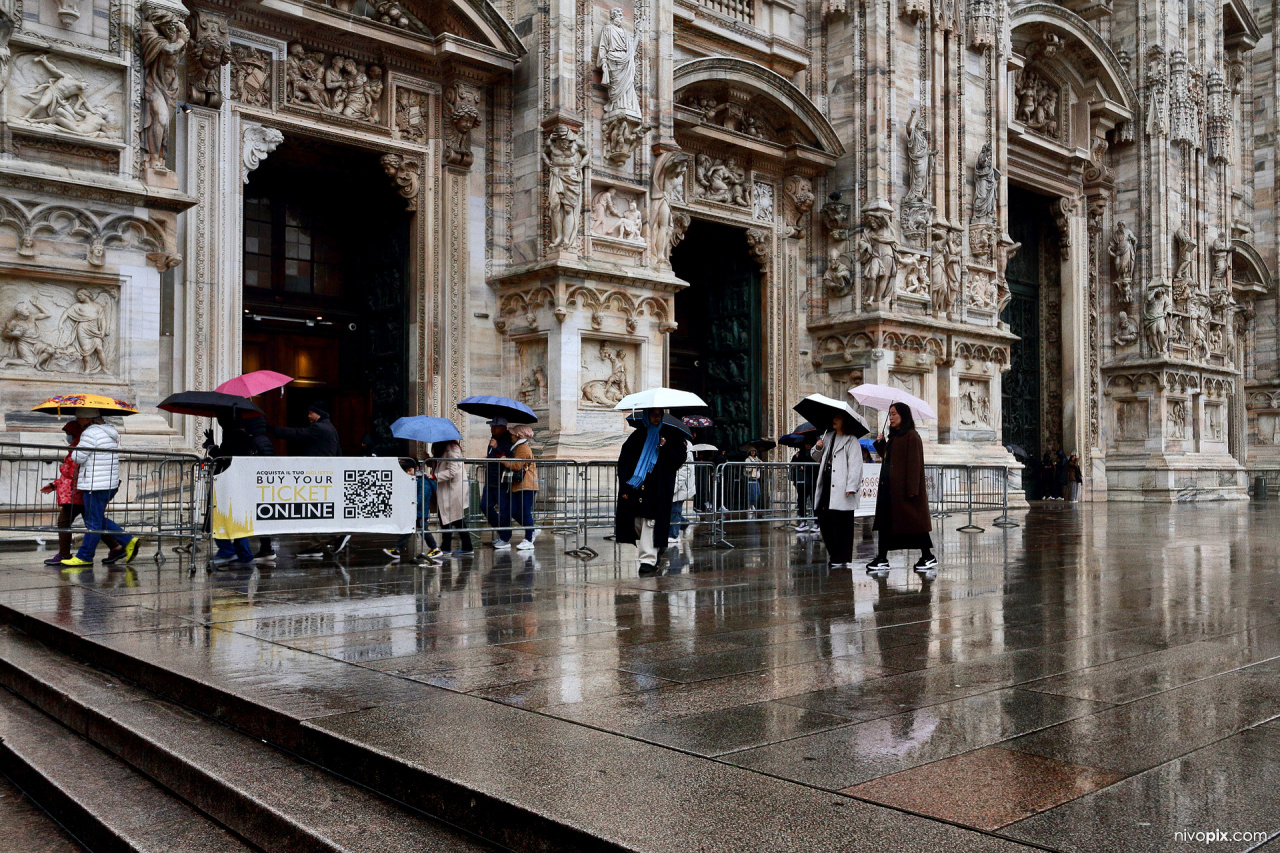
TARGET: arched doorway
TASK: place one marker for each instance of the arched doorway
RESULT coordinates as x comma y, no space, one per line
326,263
716,349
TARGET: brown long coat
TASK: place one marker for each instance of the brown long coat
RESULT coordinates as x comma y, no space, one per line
908,499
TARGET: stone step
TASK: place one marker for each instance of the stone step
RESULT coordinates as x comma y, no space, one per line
275,800
27,827
101,801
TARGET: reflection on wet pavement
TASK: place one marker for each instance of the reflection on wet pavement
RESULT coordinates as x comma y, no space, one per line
1096,679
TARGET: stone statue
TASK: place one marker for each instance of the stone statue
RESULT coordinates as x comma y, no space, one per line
797,201
944,271
1126,330
85,327
919,158
565,157
162,39
210,49
250,76
6,32
1185,247
1124,251
630,224
616,59
27,348
669,169
1220,255
603,207
258,142
838,279
609,391
61,100
721,180
463,115
1155,323
878,253
404,171
986,182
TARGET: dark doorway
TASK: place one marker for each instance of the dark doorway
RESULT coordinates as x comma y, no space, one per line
716,348
326,262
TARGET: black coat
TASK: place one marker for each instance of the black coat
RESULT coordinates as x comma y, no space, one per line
655,495
804,473
318,439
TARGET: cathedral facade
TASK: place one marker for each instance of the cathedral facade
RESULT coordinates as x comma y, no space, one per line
1052,220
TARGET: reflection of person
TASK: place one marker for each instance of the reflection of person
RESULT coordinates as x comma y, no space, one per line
98,478
647,467
71,502
522,474
838,487
902,505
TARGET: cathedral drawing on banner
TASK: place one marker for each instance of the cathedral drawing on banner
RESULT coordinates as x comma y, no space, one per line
1055,221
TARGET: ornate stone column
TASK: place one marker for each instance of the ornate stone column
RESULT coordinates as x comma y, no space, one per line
1072,221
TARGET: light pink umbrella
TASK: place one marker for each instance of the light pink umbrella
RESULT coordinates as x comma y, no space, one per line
252,384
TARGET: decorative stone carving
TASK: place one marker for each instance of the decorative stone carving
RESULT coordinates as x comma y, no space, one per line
1123,250
1004,253
838,279
405,172
1126,330
878,253
732,112
611,217
724,181
669,169
7,24
759,245
250,76
68,12
95,230
982,244
1155,317
986,183
1219,119
392,13
1157,80
336,85
79,342
209,49
1184,120
920,156
622,134
835,218
1184,247
25,341
67,100
797,201
983,291
914,9
983,30
616,59
975,404
565,156
1177,419
914,269
411,116
534,390
1063,209
462,105
162,40
608,391
1220,263
257,142
762,201
944,271
1039,102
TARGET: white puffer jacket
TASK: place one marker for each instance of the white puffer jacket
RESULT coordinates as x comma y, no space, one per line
99,469
685,489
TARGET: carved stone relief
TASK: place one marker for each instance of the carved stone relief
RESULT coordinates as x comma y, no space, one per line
732,111
1155,318
606,372
986,184
724,181
333,85
56,328
1215,422
665,231
162,39
534,391
944,272
54,229
405,171
762,197
67,96
7,24
565,156
1126,330
210,49
797,201
975,404
411,115
1157,81
622,134
616,214
462,114
983,29
250,75
256,144
1131,420
1039,102
1123,250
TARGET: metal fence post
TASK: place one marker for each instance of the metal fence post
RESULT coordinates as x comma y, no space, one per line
970,527
1004,520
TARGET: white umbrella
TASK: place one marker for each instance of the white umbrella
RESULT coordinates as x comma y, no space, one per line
660,398
699,448
880,397
819,409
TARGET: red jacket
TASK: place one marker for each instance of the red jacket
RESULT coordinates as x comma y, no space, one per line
65,484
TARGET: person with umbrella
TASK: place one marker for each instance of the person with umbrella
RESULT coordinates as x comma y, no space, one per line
804,476
496,496
521,477
902,505
98,478
235,442
647,466
839,483
71,502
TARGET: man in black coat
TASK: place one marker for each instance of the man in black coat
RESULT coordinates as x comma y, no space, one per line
643,513
318,439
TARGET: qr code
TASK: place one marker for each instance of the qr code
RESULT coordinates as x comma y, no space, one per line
366,494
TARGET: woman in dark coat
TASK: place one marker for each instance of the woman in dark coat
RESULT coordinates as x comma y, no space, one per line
902,504
647,467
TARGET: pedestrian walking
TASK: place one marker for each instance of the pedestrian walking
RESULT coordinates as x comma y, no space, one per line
496,496
753,474
804,476
685,490
71,502
318,438
1075,477
235,442
839,484
426,490
902,505
260,445
522,478
1062,472
1048,477
647,466
451,496
97,459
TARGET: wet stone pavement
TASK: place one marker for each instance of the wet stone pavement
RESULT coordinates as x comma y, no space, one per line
1097,679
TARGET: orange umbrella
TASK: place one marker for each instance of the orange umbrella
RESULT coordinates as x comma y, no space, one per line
66,404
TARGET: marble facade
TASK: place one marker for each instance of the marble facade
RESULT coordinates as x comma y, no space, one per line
552,157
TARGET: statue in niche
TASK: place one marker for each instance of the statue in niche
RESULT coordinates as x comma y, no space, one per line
534,392
1177,419
1185,247
1220,260
878,253
1037,102
721,180
616,59
162,39
565,156
944,271
838,279
919,158
986,182
1155,318
975,407
609,391
27,348
1124,251
85,327
1126,330
669,169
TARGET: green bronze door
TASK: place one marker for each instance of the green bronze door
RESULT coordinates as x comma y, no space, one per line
1020,398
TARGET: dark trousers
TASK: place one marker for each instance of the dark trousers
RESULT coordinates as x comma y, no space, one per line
238,548
804,498
447,539
95,518
497,508
522,510
837,533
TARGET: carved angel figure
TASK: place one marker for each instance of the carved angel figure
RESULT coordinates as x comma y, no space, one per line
85,330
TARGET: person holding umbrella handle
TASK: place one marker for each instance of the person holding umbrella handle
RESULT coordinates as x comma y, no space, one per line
902,504
838,487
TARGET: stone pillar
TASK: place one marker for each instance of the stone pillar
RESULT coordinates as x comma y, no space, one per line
1071,216
204,288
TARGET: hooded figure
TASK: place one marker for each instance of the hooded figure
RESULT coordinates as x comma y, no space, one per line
647,467
318,439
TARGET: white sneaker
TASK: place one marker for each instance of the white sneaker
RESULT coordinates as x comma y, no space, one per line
525,545
499,545
673,540
534,537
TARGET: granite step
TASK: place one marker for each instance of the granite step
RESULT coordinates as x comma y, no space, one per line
29,828
102,802
274,799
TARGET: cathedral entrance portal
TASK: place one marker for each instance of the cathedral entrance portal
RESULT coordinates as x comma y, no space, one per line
326,264
716,349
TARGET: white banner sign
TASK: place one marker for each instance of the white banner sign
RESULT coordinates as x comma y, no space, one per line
870,489
270,495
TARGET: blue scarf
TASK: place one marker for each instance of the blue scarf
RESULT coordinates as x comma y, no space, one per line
648,457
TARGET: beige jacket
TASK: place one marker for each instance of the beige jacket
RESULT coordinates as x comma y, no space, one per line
451,486
529,482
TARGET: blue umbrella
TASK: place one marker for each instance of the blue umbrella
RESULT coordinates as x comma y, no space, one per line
498,407
867,443
423,428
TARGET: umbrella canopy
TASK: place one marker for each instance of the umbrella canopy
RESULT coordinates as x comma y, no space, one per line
661,398
1018,451
498,407
210,404
252,384
867,443
698,421
426,429
668,422
66,404
880,397
819,410
704,448
796,439
761,444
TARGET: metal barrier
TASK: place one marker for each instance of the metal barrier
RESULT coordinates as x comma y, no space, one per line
969,488
161,495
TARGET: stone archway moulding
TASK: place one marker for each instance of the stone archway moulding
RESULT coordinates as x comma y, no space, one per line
1246,252
771,85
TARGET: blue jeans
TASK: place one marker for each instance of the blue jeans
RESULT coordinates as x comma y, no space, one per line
95,518
753,494
678,521
497,508
522,510
238,548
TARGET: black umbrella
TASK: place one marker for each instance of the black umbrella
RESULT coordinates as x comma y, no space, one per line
668,422
210,404
498,407
1017,450
820,410
764,445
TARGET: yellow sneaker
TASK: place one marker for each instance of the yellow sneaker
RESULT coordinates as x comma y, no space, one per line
131,550
76,563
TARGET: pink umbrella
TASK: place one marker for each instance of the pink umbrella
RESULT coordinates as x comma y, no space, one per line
252,384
